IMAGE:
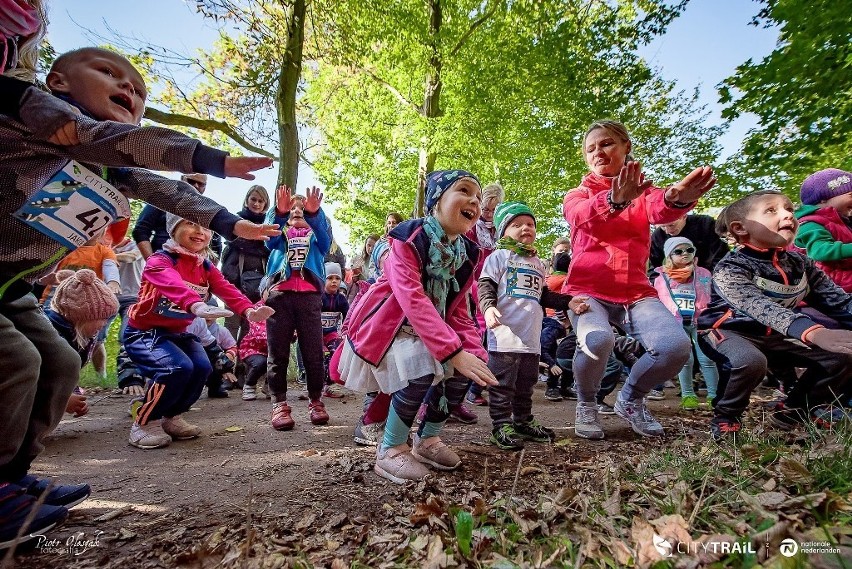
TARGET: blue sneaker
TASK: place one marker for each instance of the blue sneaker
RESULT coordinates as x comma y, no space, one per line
15,506
67,495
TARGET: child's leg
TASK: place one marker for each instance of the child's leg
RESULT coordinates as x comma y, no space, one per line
40,371
667,346
309,328
451,391
612,374
595,341
525,381
826,378
378,409
708,367
685,374
279,333
403,409
201,370
255,368
504,366
159,357
741,368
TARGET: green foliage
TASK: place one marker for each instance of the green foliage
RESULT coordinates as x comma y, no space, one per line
801,94
464,531
519,84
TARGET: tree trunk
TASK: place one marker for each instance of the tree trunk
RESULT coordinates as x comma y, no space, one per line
285,100
431,104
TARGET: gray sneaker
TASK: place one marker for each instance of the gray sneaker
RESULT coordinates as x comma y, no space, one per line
367,435
640,419
586,422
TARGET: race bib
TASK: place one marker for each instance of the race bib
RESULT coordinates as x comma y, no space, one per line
524,280
685,301
74,206
788,296
330,320
169,309
297,251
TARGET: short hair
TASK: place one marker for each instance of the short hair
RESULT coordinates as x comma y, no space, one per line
64,61
257,189
493,191
563,240
397,216
737,211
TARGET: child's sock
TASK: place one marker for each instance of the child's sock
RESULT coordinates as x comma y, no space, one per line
396,431
429,429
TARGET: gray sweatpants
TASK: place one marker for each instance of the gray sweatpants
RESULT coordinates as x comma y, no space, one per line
38,372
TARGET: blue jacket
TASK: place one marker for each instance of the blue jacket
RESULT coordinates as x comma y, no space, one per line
277,268
551,332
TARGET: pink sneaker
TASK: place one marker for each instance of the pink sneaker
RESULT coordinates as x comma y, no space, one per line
463,415
398,465
434,452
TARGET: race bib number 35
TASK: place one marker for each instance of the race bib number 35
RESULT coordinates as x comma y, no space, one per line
523,283
74,206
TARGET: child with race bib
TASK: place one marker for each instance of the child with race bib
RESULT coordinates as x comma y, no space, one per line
684,288
413,330
610,214
176,283
512,293
295,280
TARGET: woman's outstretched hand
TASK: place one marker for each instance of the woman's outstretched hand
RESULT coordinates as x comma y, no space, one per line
696,184
471,367
628,184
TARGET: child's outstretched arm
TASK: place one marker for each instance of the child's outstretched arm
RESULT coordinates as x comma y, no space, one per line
559,301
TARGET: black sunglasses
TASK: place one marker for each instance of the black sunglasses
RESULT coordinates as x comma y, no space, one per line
688,250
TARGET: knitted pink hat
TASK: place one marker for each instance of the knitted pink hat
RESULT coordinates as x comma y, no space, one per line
82,297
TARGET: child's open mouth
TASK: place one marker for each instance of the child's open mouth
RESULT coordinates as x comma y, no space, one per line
787,227
468,214
123,101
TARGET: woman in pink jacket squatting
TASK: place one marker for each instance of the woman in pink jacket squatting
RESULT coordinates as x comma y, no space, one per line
610,215
176,282
413,330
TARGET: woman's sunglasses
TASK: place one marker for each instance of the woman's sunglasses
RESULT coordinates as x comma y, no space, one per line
687,251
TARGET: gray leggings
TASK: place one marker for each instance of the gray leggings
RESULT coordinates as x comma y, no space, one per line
647,320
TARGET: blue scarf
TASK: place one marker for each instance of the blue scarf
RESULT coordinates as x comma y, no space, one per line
445,258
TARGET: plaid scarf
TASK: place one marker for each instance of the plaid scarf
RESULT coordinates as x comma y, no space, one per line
516,246
445,258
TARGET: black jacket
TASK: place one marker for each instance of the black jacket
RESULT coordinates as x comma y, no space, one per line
701,230
255,253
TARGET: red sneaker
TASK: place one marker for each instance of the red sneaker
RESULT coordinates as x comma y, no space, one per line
281,419
317,411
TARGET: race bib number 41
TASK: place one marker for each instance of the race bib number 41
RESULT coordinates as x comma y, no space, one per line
74,206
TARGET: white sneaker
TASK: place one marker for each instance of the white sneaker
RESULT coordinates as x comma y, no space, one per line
150,436
249,393
636,413
586,423
656,395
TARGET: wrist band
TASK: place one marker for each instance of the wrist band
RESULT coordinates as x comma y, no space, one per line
613,207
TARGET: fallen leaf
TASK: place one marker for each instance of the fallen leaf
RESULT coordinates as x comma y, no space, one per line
530,470
125,534
771,499
111,515
233,429
794,471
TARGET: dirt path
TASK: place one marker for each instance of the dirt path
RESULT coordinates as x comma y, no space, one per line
185,505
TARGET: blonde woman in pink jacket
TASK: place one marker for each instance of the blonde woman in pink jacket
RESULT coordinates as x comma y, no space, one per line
610,215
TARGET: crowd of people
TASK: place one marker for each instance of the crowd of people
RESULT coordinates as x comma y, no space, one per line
453,309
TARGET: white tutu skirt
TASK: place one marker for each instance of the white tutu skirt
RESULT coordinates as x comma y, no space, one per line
407,359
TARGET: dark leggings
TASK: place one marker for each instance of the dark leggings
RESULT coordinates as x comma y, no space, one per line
299,312
255,368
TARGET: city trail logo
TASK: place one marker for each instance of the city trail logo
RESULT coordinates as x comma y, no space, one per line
663,547
789,547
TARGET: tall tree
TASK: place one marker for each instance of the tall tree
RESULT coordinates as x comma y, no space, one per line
801,94
505,89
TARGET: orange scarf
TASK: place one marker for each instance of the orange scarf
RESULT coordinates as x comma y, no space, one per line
680,275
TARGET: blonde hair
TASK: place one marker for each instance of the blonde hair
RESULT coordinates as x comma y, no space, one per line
28,48
615,127
261,191
493,191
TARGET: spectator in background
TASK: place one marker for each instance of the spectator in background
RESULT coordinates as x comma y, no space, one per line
150,230
335,255
360,265
700,229
244,260
392,220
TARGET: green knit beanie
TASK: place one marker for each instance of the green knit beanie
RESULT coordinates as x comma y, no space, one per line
506,212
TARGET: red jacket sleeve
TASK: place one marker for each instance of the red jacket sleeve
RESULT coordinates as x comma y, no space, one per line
160,271
658,211
404,278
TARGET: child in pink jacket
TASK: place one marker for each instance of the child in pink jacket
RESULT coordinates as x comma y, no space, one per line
412,330
175,284
253,353
684,288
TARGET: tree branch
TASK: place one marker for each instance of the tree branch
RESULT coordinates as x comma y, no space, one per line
209,125
481,20
393,90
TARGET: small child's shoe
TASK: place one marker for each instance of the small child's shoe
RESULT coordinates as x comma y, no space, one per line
722,428
333,391
534,431
434,452
398,465
178,429
317,412
367,434
787,418
586,423
463,415
552,394
477,400
641,420
281,418
506,438
689,403
249,393
150,436
656,395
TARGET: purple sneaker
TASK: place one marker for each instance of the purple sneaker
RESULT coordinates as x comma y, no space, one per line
463,415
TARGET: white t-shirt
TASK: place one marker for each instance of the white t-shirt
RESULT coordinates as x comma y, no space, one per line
520,281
